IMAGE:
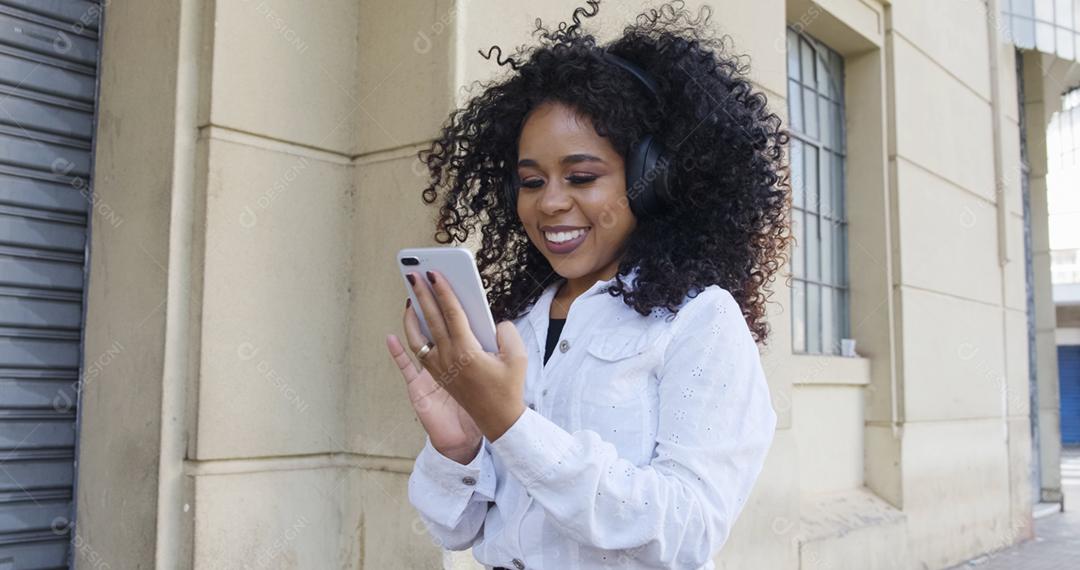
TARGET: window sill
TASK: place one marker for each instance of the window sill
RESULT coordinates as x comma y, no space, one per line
831,370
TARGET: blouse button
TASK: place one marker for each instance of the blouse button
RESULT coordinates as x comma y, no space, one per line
532,406
469,480
519,564
564,345
544,392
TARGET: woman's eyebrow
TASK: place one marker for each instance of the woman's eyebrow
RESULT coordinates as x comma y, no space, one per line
568,159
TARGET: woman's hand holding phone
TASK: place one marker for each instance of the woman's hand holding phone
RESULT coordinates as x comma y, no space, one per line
453,431
462,392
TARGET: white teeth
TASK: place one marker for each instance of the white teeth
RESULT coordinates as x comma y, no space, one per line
560,237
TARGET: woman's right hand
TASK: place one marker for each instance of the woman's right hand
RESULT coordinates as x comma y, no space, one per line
451,429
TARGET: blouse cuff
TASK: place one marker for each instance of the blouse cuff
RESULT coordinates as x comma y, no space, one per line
533,448
453,484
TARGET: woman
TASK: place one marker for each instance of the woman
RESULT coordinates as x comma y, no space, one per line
630,435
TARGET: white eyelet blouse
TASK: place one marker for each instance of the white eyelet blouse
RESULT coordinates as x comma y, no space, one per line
640,444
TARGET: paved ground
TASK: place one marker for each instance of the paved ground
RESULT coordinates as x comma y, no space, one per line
1057,537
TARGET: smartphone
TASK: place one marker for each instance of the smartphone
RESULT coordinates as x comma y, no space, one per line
458,265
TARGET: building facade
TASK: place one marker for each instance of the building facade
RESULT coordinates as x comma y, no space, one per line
194,372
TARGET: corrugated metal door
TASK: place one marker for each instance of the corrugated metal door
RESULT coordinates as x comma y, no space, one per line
48,81
1069,379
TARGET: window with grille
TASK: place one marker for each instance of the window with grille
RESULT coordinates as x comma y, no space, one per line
820,303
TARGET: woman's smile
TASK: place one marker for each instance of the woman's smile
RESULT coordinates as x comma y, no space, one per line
564,239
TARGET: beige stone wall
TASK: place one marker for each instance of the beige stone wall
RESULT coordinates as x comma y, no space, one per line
268,167
120,408
960,285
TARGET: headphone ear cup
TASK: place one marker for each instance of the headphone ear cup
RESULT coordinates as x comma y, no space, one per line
660,159
637,188
647,177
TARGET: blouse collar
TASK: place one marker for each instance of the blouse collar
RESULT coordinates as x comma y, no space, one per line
538,316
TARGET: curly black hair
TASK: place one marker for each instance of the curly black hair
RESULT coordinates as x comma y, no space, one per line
729,222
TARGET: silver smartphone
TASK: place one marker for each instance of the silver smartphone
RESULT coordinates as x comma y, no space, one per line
458,265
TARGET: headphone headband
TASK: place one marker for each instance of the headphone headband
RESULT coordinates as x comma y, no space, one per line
634,70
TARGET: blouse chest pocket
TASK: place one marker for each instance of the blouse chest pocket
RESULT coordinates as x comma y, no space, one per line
615,377
617,368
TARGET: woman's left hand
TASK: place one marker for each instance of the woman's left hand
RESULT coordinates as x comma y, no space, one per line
489,386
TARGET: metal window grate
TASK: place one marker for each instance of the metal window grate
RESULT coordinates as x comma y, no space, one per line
820,315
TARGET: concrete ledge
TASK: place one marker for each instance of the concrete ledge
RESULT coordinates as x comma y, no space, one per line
852,529
297,462
1046,509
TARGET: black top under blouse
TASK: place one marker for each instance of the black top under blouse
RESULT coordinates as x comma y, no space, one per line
555,327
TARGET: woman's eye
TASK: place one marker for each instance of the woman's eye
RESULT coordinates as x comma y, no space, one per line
536,183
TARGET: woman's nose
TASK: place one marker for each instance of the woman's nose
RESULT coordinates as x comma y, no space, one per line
554,197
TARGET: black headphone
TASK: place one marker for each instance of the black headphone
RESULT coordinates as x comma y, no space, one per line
647,185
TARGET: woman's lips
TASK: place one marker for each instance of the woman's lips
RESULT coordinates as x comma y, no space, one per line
566,246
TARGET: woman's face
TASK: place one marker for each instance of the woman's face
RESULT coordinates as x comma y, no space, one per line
572,199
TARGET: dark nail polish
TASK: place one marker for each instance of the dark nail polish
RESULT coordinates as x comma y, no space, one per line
408,303
412,280
431,277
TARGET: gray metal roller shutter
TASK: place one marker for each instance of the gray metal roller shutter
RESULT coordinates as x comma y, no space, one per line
48,82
